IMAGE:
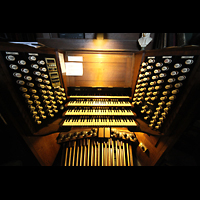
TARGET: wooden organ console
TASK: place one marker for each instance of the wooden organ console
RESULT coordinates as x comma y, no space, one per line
126,109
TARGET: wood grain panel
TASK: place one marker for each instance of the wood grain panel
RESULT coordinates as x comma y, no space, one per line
129,71
101,69
44,148
90,44
137,62
100,57
97,83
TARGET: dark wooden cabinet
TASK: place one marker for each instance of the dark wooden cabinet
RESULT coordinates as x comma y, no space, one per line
118,42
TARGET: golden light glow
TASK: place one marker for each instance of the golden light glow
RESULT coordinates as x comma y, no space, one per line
99,55
99,43
100,36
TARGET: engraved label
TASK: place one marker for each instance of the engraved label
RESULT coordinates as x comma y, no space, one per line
13,53
33,54
167,57
187,57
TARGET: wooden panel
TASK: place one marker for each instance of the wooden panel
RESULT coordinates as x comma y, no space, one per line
93,57
122,36
107,132
101,133
137,62
155,152
129,71
111,42
103,71
107,70
97,83
44,148
89,35
90,44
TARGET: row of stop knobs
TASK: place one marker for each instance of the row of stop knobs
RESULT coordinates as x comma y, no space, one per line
71,136
50,105
123,135
46,99
93,133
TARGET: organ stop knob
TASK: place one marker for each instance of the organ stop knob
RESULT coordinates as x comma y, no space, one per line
10,58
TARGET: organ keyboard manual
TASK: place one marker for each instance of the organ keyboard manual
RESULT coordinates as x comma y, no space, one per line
123,109
99,111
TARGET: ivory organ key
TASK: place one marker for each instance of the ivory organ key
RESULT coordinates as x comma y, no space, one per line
74,153
92,146
109,144
113,159
102,158
81,153
84,144
105,152
124,154
116,150
120,161
70,151
121,149
95,154
127,153
77,156
66,154
131,154
88,156
98,153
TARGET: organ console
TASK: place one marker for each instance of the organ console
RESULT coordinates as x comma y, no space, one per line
125,116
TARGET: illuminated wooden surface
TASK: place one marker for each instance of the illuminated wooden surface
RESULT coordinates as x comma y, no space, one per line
106,70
